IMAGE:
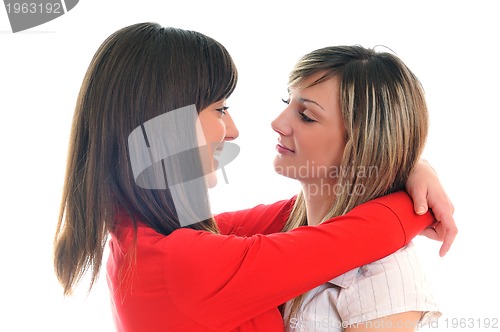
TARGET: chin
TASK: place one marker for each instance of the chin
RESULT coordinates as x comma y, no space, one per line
284,170
279,167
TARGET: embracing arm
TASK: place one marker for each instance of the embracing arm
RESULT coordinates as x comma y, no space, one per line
423,186
247,276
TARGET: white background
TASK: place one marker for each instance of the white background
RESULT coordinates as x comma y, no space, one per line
452,46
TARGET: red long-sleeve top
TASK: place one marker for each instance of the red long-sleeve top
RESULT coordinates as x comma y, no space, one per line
198,281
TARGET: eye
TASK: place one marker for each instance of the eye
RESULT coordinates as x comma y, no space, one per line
222,110
286,101
305,118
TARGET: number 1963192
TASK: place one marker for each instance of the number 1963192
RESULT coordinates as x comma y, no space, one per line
34,8
471,323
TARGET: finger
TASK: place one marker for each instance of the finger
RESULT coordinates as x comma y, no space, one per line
420,207
449,238
419,201
447,230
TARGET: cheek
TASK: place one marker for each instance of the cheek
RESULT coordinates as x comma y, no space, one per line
327,150
221,131
214,131
214,135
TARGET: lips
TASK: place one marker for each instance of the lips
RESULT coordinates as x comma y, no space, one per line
282,149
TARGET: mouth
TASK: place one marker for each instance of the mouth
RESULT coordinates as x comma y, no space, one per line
282,149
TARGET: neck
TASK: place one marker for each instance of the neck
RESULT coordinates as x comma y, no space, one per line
319,197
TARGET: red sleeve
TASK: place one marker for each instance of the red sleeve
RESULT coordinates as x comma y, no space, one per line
221,281
261,219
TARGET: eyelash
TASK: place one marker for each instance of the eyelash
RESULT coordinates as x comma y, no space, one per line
303,117
222,109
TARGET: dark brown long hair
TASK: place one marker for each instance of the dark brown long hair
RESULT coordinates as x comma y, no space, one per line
138,73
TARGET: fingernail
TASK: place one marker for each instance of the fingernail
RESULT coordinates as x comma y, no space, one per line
421,210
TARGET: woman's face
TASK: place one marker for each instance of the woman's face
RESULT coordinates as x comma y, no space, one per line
218,127
311,132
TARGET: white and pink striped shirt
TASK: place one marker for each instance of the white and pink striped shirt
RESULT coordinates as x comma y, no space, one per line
394,284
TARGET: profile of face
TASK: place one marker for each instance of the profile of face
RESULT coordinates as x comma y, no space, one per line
311,131
217,127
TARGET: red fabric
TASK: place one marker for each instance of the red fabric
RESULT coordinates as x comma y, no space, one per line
262,219
198,281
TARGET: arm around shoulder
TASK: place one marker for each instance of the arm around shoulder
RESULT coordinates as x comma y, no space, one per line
244,276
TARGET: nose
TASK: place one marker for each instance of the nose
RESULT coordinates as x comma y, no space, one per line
231,129
281,124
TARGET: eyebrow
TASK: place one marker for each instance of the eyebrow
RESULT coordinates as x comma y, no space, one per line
305,100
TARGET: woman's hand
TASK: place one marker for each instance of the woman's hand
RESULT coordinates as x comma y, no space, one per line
427,192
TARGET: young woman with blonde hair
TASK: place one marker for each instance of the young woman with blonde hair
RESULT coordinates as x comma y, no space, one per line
357,121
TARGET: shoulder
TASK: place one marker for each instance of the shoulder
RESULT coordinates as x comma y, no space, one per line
394,284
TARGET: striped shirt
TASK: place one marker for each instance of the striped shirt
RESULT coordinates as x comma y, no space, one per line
394,284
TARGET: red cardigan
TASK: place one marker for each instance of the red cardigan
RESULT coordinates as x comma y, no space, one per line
197,281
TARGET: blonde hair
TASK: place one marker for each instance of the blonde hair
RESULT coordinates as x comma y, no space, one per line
386,123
